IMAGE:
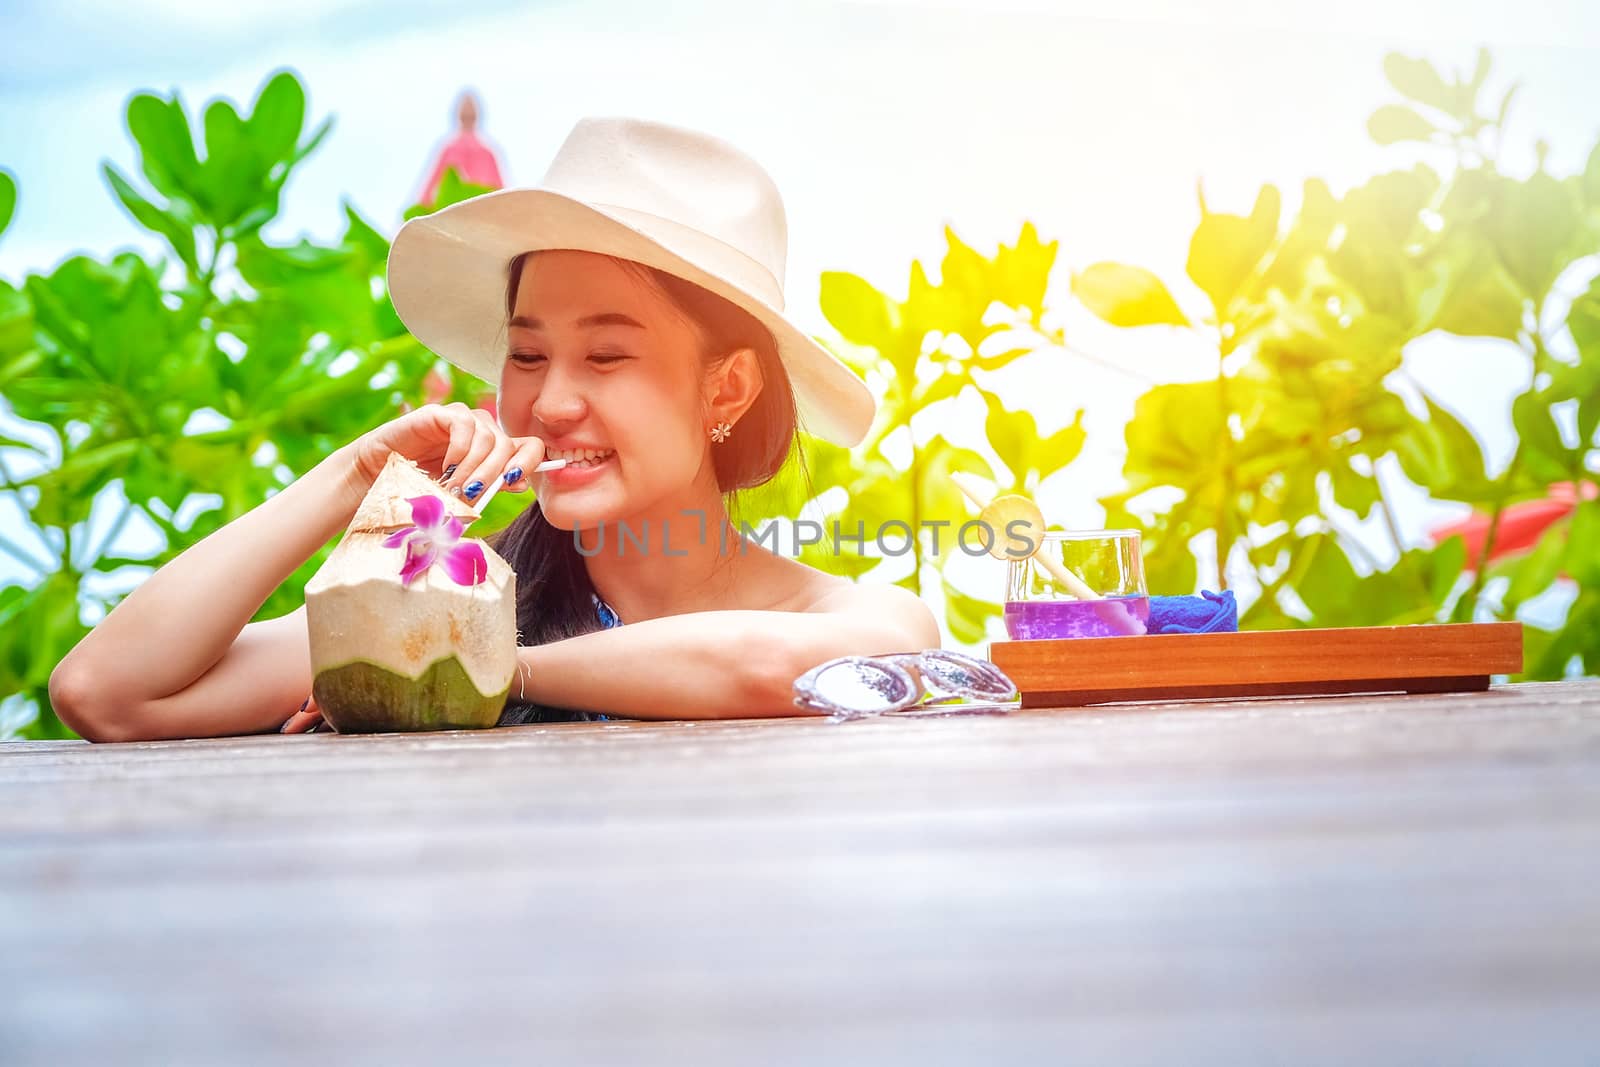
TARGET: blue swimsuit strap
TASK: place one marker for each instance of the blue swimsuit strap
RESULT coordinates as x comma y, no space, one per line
608,619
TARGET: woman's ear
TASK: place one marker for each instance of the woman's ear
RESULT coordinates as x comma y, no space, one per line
734,386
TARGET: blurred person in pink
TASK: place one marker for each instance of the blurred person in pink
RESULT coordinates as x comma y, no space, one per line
473,160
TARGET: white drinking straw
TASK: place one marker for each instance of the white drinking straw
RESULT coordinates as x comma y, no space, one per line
483,501
981,497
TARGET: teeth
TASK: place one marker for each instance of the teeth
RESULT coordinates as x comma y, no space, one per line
583,457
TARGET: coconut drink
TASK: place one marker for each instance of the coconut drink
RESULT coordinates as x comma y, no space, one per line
412,627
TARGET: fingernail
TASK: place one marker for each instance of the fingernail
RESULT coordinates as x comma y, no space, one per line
448,471
473,489
305,704
512,475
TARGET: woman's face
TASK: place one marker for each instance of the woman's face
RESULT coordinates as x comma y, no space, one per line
608,372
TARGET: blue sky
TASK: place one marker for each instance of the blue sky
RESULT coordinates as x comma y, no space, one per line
880,121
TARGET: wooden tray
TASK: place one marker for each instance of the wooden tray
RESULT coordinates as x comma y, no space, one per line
1375,659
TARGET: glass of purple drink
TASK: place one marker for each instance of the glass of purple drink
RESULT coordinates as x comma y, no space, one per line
1086,583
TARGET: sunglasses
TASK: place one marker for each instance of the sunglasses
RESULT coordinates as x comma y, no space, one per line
853,687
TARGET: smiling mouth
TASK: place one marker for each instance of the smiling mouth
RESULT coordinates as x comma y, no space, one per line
582,458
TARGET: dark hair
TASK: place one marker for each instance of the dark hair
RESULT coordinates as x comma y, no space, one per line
555,598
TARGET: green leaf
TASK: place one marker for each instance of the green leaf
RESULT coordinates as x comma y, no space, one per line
1537,229
928,306
1583,319
1394,123
1329,582
1581,382
848,562
1583,620
1226,249
1445,564
965,275
1013,435
1307,239
1061,447
1417,79
153,218
279,112
361,234
1126,296
1444,457
1472,295
1505,106
452,190
968,617
251,221
51,311
1003,358
1549,655
16,327
1536,571
311,283
313,142
1176,435
938,496
8,198
1544,454
1021,272
1591,179
1583,545
1353,490
877,496
233,175
166,146
1381,220
858,311
946,385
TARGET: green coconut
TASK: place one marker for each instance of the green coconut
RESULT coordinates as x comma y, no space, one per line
433,655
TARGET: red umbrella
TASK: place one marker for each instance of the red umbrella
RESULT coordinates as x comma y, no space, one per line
1521,525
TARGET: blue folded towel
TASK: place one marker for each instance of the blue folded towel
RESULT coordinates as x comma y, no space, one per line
1207,613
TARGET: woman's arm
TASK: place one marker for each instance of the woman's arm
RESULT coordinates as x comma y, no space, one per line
720,664
179,657
133,675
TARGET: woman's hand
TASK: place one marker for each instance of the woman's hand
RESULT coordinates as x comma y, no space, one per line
308,718
460,446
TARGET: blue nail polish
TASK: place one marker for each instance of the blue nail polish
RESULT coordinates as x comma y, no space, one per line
448,471
512,475
473,489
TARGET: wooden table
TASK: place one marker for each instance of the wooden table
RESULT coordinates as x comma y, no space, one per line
1357,880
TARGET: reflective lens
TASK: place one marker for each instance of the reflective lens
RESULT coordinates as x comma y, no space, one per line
866,685
857,685
963,675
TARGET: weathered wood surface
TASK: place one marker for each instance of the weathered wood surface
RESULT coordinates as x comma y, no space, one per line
1323,880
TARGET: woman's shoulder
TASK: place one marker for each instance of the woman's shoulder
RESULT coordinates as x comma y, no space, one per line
841,594
807,588
776,582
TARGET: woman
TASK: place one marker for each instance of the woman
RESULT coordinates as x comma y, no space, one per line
630,309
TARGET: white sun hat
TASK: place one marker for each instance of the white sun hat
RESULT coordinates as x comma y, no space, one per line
685,202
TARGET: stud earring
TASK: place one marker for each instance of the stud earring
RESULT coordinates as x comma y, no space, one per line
721,432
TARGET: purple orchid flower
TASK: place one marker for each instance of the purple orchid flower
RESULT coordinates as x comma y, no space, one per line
434,539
